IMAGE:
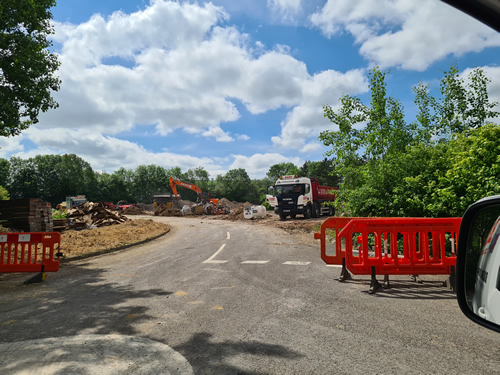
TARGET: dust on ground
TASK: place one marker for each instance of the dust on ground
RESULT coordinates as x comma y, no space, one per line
81,243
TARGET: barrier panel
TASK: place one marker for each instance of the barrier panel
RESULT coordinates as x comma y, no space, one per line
29,252
335,225
400,246
330,228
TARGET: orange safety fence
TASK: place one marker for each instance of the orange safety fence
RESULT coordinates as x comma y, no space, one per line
29,252
390,246
401,246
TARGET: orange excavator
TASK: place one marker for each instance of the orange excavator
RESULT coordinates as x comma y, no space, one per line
202,197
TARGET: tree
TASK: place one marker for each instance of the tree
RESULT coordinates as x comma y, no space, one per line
4,171
391,168
281,169
149,180
26,65
323,170
236,185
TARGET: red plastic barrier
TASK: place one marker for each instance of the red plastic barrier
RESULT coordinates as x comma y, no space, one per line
336,224
401,246
29,252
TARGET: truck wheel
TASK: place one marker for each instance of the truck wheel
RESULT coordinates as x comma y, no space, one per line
316,211
282,217
307,212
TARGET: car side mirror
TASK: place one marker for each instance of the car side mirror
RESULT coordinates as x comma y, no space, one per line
478,263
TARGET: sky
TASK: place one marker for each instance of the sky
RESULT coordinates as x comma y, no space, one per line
236,84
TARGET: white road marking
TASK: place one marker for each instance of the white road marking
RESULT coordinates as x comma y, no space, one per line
255,262
210,260
228,236
297,263
334,265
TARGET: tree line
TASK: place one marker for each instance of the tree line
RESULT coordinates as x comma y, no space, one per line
53,177
435,166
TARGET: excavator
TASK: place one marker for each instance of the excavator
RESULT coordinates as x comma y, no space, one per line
207,204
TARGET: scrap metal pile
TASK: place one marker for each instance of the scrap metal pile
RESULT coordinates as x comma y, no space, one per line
93,214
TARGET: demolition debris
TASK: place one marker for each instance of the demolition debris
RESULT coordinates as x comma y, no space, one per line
93,214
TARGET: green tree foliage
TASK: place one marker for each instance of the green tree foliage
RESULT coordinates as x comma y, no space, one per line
4,194
281,169
435,166
149,180
51,177
26,65
323,170
236,185
4,171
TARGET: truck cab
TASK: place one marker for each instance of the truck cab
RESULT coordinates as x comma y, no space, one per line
293,195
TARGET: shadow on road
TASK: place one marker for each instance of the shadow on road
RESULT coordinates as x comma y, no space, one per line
74,301
209,357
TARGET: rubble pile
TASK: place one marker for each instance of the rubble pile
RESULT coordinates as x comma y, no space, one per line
133,211
163,210
93,214
237,213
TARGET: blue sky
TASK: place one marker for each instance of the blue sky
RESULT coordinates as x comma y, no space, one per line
235,84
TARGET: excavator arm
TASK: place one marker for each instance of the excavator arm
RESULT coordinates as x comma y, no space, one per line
174,183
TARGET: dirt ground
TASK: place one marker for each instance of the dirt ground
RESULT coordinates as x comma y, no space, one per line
76,244
81,243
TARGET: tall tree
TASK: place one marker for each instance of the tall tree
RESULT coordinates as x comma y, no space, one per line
26,65
281,169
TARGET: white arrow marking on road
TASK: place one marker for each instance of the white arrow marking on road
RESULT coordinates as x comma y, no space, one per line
255,262
209,260
297,263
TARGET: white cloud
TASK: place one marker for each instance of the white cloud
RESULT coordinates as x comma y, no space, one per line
409,34
311,147
217,133
106,153
258,165
169,65
9,145
242,137
307,119
286,9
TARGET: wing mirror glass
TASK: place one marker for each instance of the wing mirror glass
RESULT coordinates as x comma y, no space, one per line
478,263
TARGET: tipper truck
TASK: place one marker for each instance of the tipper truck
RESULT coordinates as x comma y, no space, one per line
293,195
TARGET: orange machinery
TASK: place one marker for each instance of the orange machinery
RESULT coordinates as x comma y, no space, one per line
202,197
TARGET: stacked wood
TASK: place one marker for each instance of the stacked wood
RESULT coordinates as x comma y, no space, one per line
27,215
95,214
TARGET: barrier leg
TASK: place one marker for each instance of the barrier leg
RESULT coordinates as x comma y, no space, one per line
451,280
374,285
344,274
386,284
38,278
417,279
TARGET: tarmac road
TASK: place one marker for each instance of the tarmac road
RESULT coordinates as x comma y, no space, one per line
228,297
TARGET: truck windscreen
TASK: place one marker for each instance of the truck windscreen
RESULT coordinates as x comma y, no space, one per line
290,189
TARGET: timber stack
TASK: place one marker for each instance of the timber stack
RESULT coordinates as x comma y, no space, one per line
26,215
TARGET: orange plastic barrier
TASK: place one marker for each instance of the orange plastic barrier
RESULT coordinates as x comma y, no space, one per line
401,246
29,252
336,224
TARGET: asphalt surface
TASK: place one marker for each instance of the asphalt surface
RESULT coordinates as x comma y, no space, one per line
242,298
